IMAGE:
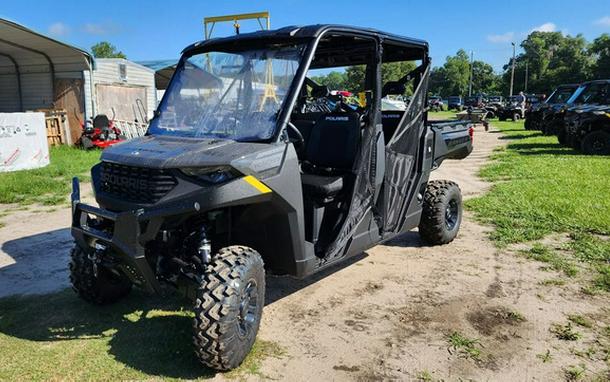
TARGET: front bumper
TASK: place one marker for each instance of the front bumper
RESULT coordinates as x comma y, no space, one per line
125,235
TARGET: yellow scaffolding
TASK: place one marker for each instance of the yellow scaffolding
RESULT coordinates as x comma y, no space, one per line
209,23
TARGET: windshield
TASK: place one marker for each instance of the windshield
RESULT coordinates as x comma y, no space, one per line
495,99
591,93
561,95
233,95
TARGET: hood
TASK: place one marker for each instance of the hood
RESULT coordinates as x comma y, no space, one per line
155,151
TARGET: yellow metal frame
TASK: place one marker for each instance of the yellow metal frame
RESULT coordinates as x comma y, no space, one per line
211,21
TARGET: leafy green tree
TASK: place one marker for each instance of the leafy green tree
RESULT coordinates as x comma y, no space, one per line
390,71
600,50
551,59
453,77
104,49
334,80
484,80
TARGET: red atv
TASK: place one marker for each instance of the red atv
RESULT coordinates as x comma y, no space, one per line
100,132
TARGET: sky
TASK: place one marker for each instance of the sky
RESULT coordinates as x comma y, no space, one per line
152,29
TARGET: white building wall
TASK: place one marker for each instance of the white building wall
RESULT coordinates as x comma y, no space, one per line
107,72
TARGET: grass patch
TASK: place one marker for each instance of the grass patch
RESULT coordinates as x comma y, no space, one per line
143,337
580,320
51,184
541,187
424,376
545,357
557,262
445,114
574,372
468,347
565,332
552,282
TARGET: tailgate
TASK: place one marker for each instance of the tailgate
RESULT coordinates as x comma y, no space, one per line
452,140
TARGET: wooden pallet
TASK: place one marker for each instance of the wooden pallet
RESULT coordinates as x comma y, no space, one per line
58,131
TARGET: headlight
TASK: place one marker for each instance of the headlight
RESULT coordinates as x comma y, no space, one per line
213,175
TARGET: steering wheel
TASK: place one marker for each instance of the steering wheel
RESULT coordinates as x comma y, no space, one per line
300,142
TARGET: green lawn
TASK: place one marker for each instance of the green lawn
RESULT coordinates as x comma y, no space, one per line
541,187
51,184
60,337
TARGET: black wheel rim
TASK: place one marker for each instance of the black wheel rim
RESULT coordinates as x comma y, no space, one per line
248,308
451,214
599,145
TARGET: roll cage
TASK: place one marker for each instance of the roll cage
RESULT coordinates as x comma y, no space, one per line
313,36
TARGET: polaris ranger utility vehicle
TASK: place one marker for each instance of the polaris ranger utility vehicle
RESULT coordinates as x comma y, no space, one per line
541,114
512,109
586,123
492,105
455,103
245,171
435,103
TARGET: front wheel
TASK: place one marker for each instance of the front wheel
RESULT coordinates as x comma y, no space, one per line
96,284
596,143
516,117
228,307
442,212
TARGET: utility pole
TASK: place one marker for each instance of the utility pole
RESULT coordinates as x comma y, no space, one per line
526,74
471,73
512,74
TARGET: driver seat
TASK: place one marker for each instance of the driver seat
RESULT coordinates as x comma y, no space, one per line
330,154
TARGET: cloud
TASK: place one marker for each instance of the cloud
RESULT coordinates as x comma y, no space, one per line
58,29
100,29
500,38
546,27
604,21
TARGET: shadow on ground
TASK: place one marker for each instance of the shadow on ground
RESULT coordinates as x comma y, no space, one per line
36,263
148,333
542,149
519,136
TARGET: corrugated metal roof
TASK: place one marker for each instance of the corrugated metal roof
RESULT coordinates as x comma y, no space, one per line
158,64
26,47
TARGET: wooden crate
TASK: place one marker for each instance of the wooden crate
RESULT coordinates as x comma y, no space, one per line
58,132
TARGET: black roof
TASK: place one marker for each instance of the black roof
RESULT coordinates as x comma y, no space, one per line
596,82
308,31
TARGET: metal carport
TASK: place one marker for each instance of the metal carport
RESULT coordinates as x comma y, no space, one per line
36,72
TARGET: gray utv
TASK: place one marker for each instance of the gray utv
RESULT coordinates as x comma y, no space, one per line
250,167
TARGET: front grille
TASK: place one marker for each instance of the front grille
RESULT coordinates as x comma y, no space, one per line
135,184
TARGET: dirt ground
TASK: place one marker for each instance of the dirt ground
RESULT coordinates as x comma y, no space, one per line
387,314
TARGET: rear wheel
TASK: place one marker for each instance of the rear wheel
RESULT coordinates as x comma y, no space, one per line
228,307
442,212
86,143
596,143
516,117
97,285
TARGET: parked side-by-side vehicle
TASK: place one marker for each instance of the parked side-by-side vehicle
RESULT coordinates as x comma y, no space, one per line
586,120
247,169
544,115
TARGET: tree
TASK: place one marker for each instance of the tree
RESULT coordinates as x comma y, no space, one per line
104,49
484,80
390,71
453,77
600,49
334,80
552,59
